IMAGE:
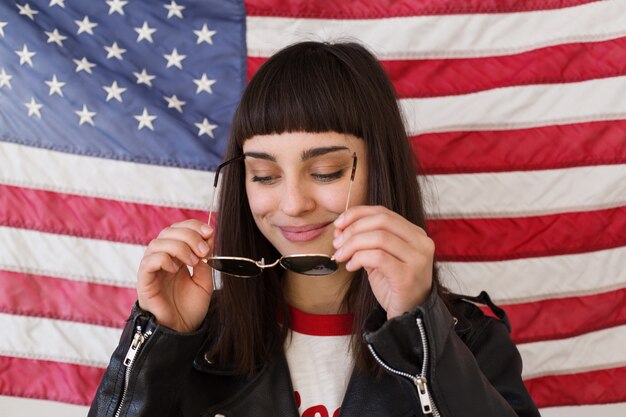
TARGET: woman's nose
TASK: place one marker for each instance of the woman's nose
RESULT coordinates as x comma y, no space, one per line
296,199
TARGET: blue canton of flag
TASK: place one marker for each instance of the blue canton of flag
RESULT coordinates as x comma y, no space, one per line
142,81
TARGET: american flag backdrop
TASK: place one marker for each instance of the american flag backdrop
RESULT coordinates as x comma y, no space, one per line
114,113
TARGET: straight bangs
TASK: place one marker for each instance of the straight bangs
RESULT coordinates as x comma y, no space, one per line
305,90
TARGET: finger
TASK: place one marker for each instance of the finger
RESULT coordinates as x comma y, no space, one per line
382,220
158,261
376,259
203,228
203,276
200,246
375,239
175,248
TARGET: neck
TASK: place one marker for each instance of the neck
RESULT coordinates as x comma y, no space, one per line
318,295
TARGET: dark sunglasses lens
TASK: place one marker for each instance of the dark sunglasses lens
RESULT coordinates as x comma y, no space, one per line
309,265
237,267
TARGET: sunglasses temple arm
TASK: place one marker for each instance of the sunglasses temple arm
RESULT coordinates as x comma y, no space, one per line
351,181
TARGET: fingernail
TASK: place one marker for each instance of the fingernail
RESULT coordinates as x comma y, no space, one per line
339,219
338,254
203,247
338,240
205,230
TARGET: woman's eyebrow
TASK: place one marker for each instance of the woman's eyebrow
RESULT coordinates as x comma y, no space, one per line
313,152
260,155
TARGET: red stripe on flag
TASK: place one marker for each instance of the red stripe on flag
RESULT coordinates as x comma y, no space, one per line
46,380
566,317
372,9
594,387
549,147
64,299
497,239
551,65
90,217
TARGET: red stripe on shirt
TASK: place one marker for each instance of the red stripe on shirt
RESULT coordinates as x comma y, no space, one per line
47,380
65,299
321,324
372,9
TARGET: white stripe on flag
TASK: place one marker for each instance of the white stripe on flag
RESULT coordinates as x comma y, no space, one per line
57,340
601,349
530,279
69,257
449,36
21,407
525,193
518,107
86,344
462,195
98,177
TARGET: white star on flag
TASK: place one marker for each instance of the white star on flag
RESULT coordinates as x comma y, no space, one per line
205,35
175,103
116,6
25,10
57,3
85,26
56,37
2,25
83,65
144,78
25,56
33,108
5,79
114,51
145,32
205,128
174,59
145,119
85,115
55,86
174,9
204,84
114,91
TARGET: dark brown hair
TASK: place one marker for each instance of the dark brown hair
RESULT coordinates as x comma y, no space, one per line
312,87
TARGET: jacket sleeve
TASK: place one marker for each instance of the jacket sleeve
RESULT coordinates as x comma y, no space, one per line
475,376
163,359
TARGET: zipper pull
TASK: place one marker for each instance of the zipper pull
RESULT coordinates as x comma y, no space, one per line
424,396
138,340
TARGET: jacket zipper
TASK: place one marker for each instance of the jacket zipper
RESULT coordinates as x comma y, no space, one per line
419,380
138,340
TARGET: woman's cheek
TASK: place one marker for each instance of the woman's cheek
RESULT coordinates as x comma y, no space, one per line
261,201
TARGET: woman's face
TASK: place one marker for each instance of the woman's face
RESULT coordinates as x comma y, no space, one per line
297,185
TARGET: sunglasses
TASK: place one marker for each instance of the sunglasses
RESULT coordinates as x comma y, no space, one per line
313,264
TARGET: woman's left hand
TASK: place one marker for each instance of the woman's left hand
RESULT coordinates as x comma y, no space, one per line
397,255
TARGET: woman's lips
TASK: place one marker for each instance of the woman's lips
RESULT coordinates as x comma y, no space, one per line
302,233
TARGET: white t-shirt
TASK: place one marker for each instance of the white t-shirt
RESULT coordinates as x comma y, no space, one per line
319,361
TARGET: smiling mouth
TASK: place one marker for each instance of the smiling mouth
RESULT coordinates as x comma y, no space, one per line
303,233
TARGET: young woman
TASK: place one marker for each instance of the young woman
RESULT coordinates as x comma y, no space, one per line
329,302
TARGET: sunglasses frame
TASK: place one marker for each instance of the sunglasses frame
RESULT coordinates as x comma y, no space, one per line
261,264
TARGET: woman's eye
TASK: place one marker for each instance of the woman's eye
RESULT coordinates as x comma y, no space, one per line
329,177
267,179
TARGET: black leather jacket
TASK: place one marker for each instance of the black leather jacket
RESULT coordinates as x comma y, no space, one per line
453,363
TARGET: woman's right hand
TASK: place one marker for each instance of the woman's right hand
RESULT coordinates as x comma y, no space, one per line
165,287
